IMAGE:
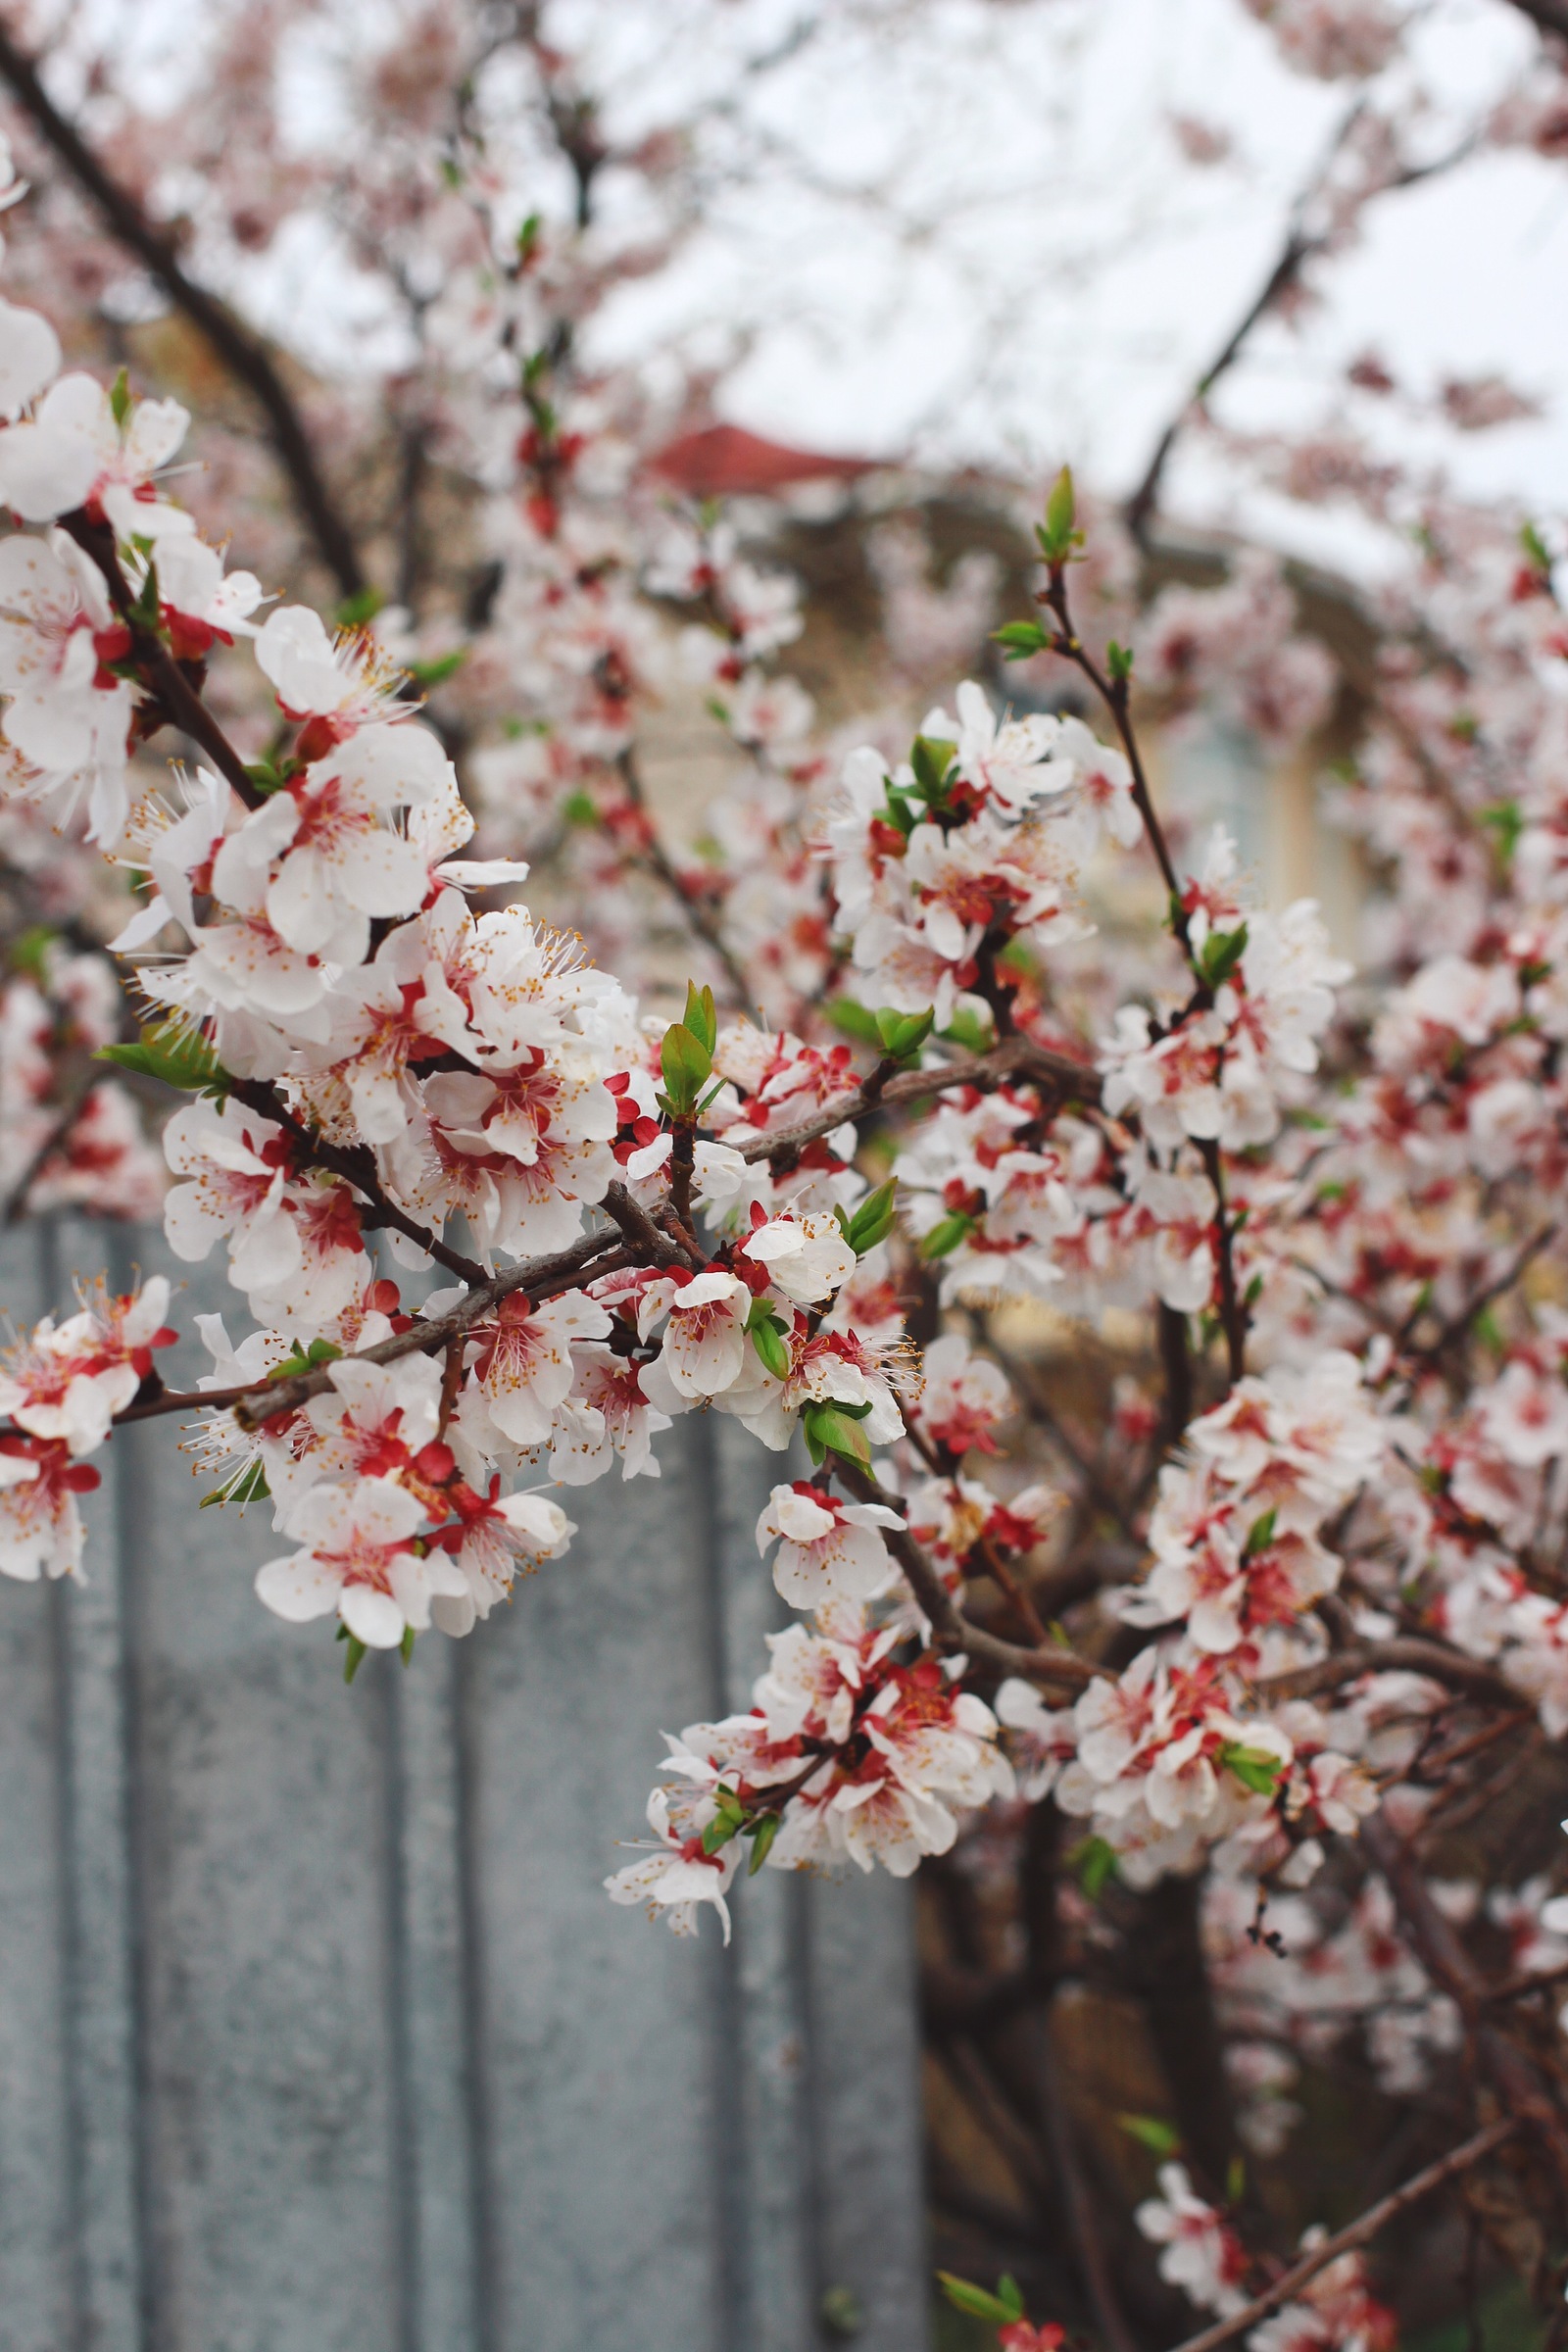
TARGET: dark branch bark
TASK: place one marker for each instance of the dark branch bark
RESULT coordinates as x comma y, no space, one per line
1438,1945
1016,1057
1356,2234
241,350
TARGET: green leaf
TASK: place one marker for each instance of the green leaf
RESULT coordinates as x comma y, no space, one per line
1056,536
872,1221
1261,1535
30,949
1008,2291
176,1055
762,1832
970,1029
247,1485
356,1653
931,756
1535,547
853,1020
357,612
1505,819
301,1360
726,1822
903,1034
1254,1767
687,1066
1096,1863
440,667
579,809
1119,662
119,399
841,2313
943,1238
1018,639
1222,952
702,1015
1060,504
1236,2179
1153,2132
836,1429
528,236
767,1338
266,776
964,2296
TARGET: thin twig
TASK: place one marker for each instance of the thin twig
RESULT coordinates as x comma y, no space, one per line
952,1630
76,1086
1437,1946
181,701
1015,1057
703,919
1402,1654
1356,2234
1089,2244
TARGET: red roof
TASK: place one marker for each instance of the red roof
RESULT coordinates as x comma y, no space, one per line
724,461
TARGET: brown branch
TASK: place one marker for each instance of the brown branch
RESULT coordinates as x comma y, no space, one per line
1015,1057
1301,245
355,1166
1356,2234
597,1253
241,350
952,1631
1402,1653
1089,2244
1233,1313
704,921
1441,1953
1457,1324
76,1084
178,696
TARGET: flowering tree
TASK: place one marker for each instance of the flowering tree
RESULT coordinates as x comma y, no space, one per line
1200,1685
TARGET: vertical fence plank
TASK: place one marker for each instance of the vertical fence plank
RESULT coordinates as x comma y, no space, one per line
599,2059
100,1936
35,2201
432,1992
776,2283
865,2097
263,1828
324,2036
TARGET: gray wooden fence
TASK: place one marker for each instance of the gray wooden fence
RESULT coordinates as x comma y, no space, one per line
317,2030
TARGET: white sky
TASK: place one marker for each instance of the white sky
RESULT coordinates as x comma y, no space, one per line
1069,274
961,229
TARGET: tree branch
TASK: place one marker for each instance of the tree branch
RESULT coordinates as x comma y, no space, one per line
178,698
1356,2234
241,350
1404,1654
1016,1057
1442,1955
951,1629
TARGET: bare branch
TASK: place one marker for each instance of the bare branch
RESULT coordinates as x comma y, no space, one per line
703,919
1356,2234
1016,1057
1402,1653
1437,1943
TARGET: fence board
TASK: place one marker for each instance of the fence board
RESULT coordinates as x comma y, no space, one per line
317,2032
